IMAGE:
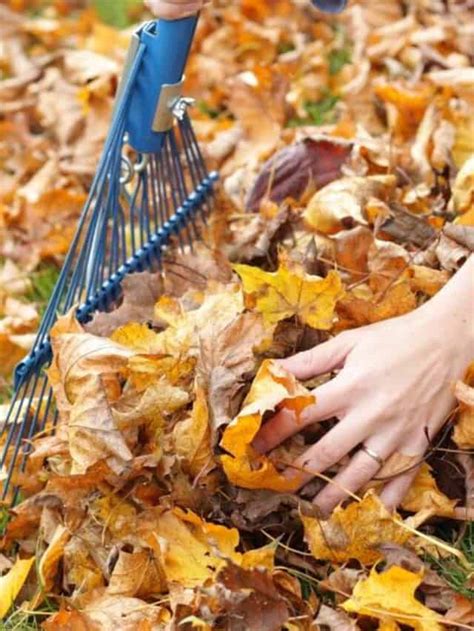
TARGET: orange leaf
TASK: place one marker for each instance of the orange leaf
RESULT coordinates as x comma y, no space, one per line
273,388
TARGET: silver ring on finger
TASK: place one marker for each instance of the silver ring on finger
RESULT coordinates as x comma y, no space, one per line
373,454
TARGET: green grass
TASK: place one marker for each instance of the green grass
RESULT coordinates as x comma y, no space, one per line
43,281
320,112
117,13
337,59
6,393
28,621
207,110
458,576
4,517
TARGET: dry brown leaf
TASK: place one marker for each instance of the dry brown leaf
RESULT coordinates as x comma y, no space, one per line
355,532
464,429
258,95
341,204
224,362
140,293
294,170
192,438
138,574
335,620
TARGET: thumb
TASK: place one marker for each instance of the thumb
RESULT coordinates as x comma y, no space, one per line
321,358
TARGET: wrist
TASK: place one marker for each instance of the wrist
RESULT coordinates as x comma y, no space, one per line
450,314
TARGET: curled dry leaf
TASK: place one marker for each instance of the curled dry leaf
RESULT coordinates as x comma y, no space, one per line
341,204
109,613
224,362
192,438
49,562
140,293
464,429
254,239
299,168
424,494
427,280
463,188
85,377
355,532
273,388
137,573
335,620
391,594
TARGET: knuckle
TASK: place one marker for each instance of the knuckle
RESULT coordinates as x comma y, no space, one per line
326,456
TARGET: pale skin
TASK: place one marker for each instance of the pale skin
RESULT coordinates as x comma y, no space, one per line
174,9
394,385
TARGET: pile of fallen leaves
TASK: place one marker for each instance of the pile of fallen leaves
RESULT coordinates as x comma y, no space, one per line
346,153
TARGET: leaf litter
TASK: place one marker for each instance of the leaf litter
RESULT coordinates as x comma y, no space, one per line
345,146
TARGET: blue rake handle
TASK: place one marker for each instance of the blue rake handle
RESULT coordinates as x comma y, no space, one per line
166,45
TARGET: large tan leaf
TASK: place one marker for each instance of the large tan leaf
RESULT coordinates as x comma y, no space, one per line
224,361
85,376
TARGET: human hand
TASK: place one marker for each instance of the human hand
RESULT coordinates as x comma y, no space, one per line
393,393
174,9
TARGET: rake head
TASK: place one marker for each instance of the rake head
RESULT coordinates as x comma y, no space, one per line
151,188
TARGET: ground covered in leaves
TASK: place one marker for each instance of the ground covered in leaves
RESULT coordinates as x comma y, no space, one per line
345,147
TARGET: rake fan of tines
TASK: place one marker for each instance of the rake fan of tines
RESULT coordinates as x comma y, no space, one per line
151,188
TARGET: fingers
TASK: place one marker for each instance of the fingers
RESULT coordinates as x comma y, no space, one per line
174,9
361,469
320,359
395,490
338,442
285,423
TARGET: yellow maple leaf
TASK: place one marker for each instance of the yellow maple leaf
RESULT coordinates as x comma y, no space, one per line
355,532
291,292
193,550
424,494
11,583
391,594
272,388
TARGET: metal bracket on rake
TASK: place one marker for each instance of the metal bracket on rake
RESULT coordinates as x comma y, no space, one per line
170,95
